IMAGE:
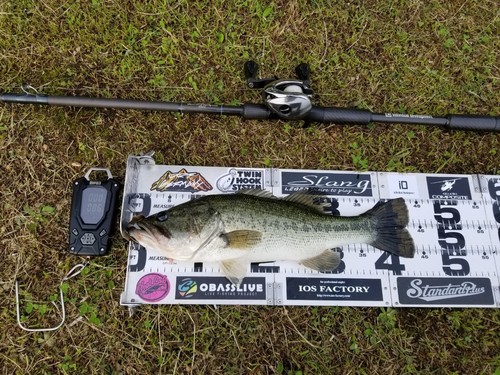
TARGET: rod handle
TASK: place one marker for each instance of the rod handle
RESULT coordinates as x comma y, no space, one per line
339,115
256,112
474,122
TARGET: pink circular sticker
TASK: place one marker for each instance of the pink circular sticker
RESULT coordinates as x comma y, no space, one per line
153,287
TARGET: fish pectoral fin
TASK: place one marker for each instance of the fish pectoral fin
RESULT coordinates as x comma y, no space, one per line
242,239
328,260
235,270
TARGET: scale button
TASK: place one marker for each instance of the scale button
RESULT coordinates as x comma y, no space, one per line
88,239
75,232
103,232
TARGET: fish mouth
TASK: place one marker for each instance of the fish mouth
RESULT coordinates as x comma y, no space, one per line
136,229
131,227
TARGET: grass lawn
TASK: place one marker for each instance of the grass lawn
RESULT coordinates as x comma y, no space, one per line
419,57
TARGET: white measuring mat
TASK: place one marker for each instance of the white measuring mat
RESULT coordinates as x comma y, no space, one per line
454,221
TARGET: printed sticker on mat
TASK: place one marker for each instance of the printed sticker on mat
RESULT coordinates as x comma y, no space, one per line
153,287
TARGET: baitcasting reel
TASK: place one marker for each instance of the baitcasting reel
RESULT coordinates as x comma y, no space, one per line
289,99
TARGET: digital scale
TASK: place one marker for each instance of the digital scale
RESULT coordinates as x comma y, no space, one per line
454,221
93,203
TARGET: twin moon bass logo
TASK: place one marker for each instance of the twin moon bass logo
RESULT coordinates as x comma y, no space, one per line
153,287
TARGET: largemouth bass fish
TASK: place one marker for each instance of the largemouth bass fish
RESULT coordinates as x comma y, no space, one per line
254,226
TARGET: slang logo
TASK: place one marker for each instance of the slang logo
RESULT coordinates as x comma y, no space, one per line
181,181
187,288
342,184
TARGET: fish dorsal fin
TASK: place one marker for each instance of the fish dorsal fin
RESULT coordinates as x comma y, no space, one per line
306,199
242,239
328,260
262,193
235,270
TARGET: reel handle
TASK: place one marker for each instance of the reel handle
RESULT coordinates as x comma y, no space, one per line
250,68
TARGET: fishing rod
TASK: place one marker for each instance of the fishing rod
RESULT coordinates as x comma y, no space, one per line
285,99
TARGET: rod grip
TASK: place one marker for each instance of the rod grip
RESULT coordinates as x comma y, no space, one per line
339,115
474,122
256,112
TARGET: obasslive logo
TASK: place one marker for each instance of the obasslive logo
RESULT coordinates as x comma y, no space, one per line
440,292
186,288
217,288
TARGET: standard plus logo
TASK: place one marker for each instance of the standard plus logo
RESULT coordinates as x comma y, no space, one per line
439,292
445,291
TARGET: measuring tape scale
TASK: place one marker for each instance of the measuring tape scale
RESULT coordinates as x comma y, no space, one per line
436,226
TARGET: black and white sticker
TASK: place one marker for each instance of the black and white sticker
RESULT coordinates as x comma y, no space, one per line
445,291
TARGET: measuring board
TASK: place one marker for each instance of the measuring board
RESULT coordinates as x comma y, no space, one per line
454,221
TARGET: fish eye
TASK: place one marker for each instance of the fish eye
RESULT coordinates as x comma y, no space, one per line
162,216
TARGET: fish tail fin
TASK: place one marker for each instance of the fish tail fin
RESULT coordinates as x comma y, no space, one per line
390,219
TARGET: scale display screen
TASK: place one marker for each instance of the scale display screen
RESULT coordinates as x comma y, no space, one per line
93,204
